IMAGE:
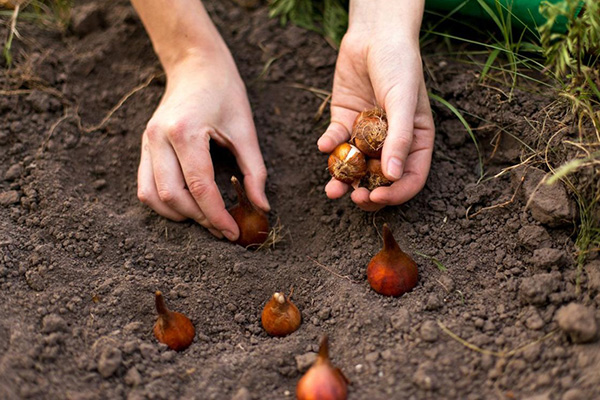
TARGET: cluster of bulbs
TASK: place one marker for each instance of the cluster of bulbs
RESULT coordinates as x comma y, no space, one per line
358,162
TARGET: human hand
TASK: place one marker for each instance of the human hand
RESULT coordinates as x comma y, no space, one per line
205,99
379,63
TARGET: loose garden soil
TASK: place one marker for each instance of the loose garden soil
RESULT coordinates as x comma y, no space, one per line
81,257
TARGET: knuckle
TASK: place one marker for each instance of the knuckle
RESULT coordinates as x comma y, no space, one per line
144,196
403,140
199,188
176,131
152,131
166,196
201,219
261,173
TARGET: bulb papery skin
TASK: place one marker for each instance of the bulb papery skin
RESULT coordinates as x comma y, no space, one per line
374,177
280,317
251,220
172,328
322,381
392,272
369,131
347,164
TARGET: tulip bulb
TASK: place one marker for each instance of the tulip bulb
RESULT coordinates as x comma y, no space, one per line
252,221
392,272
369,131
280,317
374,177
322,381
172,328
347,164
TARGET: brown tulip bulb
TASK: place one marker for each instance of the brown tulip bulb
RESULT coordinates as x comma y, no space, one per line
280,317
322,381
252,221
369,131
172,328
392,272
347,164
374,177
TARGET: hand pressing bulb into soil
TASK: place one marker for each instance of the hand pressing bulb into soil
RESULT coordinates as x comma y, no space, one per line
379,65
205,99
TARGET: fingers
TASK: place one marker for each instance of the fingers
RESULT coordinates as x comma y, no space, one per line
171,200
400,105
147,192
409,185
418,161
336,133
250,161
361,197
336,189
339,129
192,149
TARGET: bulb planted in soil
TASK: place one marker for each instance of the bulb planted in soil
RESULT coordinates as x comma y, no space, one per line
280,317
322,381
172,328
392,272
252,221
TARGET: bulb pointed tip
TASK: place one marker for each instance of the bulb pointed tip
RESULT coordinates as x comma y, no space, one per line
159,302
324,348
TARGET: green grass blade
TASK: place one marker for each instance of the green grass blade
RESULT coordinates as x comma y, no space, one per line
488,63
434,260
462,119
492,14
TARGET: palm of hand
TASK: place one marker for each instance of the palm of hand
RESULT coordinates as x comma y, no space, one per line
390,76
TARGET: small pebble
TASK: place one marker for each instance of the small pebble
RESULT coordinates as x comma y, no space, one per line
242,394
423,377
304,361
577,321
133,377
372,357
13,172
429,331
53,323
99,184
109,361
9,197
401,320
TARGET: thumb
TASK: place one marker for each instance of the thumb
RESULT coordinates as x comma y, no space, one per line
338,130
335,134
400,107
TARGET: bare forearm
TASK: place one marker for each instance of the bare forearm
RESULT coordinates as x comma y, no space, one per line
179,29
400,16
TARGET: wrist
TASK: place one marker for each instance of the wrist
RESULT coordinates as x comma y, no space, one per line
180,30
174,58
400,19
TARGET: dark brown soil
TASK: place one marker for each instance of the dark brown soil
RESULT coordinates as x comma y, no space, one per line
80,257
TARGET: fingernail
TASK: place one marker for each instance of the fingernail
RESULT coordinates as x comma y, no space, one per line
266,202
216,233
229,235
394,168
